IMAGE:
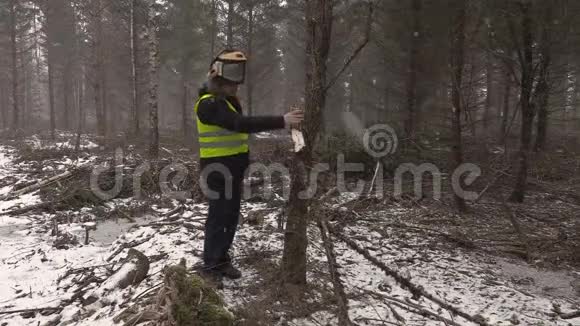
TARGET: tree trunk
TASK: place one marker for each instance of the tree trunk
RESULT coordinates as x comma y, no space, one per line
383,115
213,31
185,107
489,87
67,76
318,21
134,71
37,58
51,93
230,25
80,110
14,63
25,84
457,61
542,94
99,73
107,128
506,108
153,82
543,114
3,106
249,72
527,80
576,123
410,127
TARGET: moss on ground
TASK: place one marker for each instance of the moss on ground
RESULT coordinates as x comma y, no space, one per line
194,302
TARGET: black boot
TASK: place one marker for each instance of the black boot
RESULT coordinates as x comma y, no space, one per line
229,271
213,276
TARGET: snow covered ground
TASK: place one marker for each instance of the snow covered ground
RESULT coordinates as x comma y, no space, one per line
34,274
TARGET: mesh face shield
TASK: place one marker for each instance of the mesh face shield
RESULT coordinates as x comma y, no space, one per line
229,65
234,71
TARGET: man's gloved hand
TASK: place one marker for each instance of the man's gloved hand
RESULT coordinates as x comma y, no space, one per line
293,118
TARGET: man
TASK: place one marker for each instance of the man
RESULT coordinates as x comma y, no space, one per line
224,156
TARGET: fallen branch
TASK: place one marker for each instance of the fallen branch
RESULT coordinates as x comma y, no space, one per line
558,313
128,245
28,310
570,315
20,211
497,176
416,290
421,311
39,184
343,319
177,210
517,227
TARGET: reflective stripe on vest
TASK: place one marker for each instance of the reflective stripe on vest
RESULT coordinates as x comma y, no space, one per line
215,141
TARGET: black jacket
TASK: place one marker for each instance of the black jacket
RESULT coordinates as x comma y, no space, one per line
215,111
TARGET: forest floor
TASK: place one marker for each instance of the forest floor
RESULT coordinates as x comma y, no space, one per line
475,262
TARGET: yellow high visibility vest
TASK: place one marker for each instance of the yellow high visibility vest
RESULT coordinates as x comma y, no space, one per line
215,141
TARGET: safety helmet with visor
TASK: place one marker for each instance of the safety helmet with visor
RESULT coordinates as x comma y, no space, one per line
229,65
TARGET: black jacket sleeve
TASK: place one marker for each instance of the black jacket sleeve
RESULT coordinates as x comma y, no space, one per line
214,111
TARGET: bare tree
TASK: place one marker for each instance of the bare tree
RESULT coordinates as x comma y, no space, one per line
230,24
14,55
135,107
318,21
249,72
542,92
153,49
457,62
415,41
526,56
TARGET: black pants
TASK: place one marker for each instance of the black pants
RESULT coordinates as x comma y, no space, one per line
224,210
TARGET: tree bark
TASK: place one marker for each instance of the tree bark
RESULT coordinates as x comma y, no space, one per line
14,63
51,92
81,110
542,94
66,82
249,72
410,123
505,108
135,110
26,84
527,80
457,62
153,82
230,25
318,22
98,70
213,30
3,105
488,85
185,107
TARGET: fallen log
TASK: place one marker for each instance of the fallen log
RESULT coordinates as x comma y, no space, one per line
7,312
20,211
38,185
132,272
570,315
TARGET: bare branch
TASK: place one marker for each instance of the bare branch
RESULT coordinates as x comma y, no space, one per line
357,51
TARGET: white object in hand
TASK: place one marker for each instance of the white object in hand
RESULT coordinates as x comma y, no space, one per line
298,139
